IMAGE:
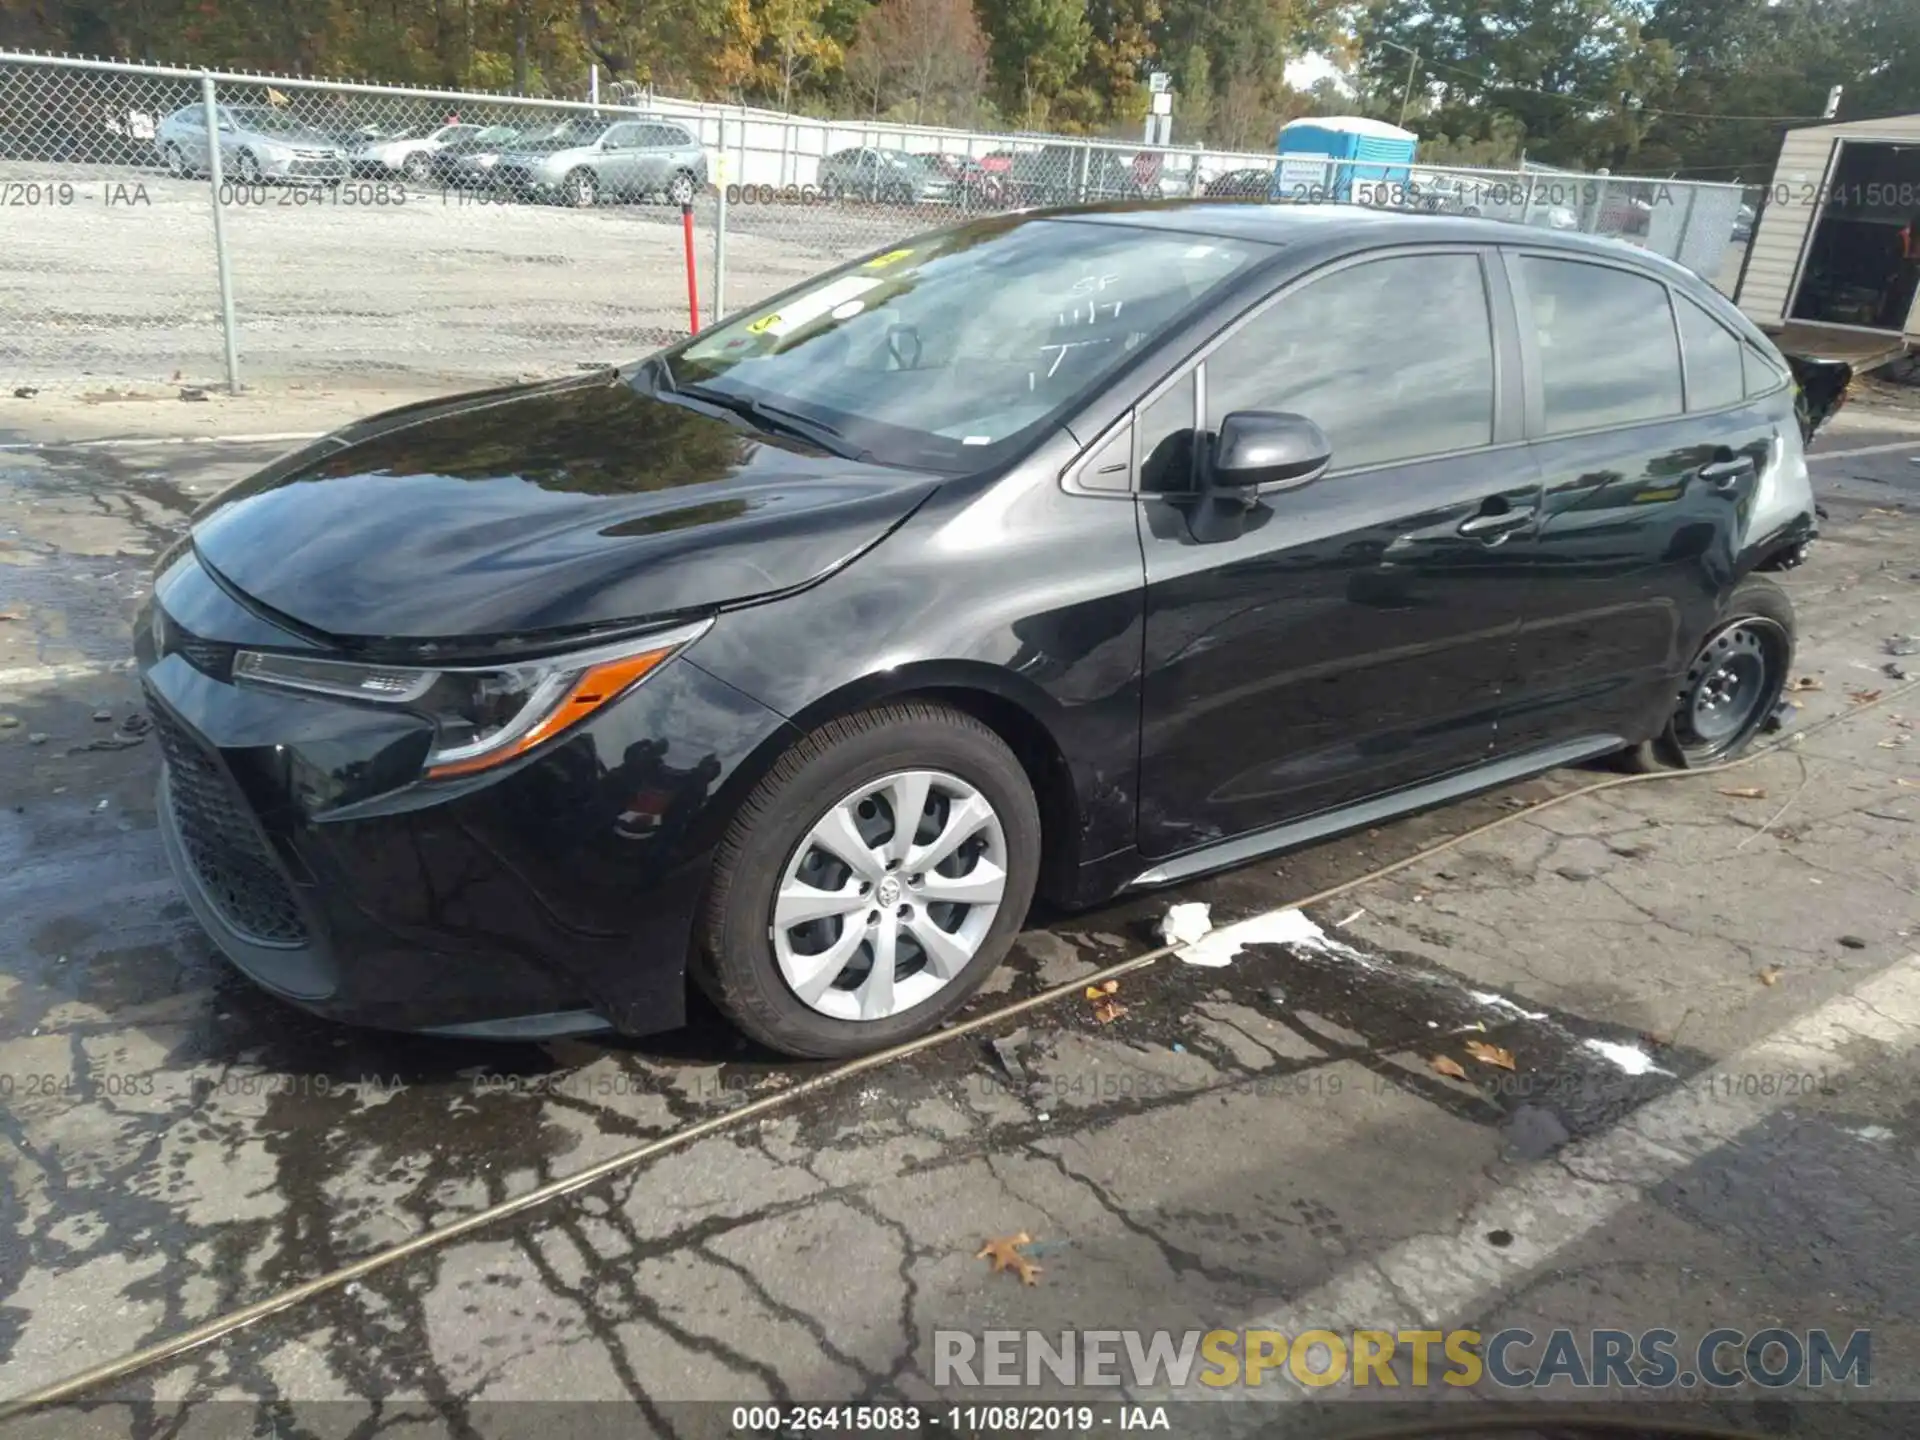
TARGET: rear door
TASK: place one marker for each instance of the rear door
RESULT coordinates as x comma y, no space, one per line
1650,452
1352,639
622,161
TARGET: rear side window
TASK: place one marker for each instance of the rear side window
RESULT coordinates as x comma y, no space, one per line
1713,352
1605,337
1392,358
1763,376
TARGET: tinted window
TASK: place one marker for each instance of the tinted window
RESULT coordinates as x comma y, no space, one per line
1393,359
1714,377
1608,354
622,137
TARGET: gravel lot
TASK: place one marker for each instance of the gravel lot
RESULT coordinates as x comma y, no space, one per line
108,275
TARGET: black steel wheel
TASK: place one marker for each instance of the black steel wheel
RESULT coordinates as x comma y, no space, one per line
1732,686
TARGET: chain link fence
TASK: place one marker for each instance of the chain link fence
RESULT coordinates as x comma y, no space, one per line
176,224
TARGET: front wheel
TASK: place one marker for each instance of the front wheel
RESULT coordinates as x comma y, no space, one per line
580,190
871,882
246,169
416,167
1732,686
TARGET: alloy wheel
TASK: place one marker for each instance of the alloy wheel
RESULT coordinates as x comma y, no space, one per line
1731,687
890,895
176,162
416,167
680,189
581,190
246,169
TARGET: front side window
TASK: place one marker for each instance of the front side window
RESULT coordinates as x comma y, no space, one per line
950,351
1606,342
1392,358
1714,376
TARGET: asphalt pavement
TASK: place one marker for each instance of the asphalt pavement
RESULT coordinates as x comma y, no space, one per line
1707,990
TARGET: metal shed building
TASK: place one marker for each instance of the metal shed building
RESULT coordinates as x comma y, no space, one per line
1826,271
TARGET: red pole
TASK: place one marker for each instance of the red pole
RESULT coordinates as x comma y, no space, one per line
693,283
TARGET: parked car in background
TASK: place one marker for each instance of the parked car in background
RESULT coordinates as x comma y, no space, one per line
583,161
467,164
1240,185
974,185
793,660
1074,174
257,143
869,172
410,152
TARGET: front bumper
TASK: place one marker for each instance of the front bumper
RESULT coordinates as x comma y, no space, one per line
521,903
300,167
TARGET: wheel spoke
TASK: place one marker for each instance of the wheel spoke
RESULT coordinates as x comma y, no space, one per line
946,955
964,821
875,994
908,795
813,975
982,885
800,902
839,834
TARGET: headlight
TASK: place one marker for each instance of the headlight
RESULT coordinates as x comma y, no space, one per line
483,717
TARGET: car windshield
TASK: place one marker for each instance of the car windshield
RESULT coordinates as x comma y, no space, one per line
492,135
249,117
951,352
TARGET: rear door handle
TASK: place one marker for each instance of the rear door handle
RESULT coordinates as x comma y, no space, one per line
1491,525
1723,475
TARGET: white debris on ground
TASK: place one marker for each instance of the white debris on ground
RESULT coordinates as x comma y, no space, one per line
1185,924
1628,1057
1216,948
1500,1002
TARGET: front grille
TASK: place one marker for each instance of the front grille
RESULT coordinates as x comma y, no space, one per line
325,168
209,657
223,843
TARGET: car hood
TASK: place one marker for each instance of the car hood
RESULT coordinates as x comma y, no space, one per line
541,508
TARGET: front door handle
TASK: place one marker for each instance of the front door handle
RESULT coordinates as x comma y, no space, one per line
1724,475
1495,524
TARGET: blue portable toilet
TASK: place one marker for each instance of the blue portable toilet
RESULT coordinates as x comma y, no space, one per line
1322,156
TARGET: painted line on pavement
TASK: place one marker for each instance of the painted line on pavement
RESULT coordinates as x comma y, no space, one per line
1436,1280
1890,447
16,676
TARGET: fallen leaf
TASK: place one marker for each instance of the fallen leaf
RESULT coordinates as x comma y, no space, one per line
1005,1255
1749,792
1863,697
1096,992
1093,992
1449,1067
1108,1011
1110,987
1490,1054
1910,784
1771,975
1805,682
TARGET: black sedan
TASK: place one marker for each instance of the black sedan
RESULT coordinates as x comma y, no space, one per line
1075,553
1240,185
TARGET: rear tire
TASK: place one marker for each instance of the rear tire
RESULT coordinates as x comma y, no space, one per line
681,189
1732,686
853,768
580,191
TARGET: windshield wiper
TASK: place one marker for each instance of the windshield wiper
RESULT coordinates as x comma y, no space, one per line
777,418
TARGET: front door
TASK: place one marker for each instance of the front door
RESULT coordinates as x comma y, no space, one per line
1648,468
1351,639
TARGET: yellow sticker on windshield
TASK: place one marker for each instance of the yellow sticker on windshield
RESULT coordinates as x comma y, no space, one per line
764,324
892,257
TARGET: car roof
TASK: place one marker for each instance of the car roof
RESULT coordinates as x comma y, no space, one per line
1286,223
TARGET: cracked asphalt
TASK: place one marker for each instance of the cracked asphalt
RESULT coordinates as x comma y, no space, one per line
1243,1141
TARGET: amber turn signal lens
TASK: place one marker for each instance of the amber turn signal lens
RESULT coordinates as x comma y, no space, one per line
601,685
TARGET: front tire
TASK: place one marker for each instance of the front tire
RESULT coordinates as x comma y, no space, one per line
832,930
1732,686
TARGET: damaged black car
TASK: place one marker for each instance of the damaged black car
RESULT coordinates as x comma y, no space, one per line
1064,553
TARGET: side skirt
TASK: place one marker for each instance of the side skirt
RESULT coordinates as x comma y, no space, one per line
1227,853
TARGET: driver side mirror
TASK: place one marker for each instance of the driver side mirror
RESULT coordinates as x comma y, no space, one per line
1261,452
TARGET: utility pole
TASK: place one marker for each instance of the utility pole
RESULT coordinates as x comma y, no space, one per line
1406,96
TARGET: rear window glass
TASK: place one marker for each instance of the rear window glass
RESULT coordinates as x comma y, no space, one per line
1606,341
1714,374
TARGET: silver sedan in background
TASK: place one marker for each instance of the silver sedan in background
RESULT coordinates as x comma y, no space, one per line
257,143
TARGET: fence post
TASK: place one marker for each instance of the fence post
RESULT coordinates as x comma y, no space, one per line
786,150
1086,166
717,301
210,114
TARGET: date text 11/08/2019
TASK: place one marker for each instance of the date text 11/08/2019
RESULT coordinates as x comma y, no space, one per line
964,1419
